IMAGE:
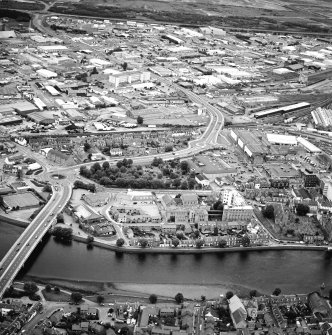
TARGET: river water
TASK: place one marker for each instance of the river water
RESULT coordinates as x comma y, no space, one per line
292,271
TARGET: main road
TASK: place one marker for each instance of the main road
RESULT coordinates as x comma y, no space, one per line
23,247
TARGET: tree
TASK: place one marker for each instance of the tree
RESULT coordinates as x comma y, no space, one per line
330,295
60,218
229,295
87,146
30,288
89,240
63,234
139,120
276,291
179,298
268,212
105,181
252,294
218,206
100,299
48,288
184,165
56,290
168,148
106,165
203,298
76,297
143,242
302,209
153,299
222,244
215,231
125,66
199,243
245,241
120,242
175,242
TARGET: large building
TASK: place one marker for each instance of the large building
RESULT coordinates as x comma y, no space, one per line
237,213
128,77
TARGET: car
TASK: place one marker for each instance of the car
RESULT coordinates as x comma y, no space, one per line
18,243
28,244
18,249
36,237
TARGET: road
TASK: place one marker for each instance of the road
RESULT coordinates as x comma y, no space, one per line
23,247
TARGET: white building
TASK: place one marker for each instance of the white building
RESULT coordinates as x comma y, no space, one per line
129,77
232,197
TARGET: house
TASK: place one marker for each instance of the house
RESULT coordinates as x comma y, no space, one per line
97,328
116,152
202,180
238,312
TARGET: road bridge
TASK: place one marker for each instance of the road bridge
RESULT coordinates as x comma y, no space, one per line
20,251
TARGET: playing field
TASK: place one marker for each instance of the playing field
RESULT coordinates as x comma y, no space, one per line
22,200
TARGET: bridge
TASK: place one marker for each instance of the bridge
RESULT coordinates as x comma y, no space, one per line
20,251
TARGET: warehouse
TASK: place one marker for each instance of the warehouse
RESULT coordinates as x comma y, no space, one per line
281,110
172,39
22,107
51,90
41,118
10,120
281,139
308,146
41,106
46,73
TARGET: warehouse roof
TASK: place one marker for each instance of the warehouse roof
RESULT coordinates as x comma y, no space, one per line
281,139
309,146
7,34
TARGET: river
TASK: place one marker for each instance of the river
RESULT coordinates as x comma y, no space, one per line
293,271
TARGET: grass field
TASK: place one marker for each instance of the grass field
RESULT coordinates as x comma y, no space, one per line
52,296
22,200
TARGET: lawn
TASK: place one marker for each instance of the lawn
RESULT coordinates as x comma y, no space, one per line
53,296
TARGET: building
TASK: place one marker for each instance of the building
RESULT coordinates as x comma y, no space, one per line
202,180
237,213
309,178
129,77
238,312
319,306
189,199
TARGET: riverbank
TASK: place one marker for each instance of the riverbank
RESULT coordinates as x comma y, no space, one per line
142,291
206,250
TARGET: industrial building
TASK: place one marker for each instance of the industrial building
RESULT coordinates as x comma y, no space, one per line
322,117
281,110
255,147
